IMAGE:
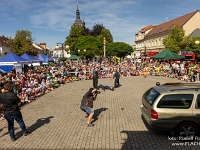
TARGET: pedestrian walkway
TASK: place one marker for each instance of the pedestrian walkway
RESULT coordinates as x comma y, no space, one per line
56,121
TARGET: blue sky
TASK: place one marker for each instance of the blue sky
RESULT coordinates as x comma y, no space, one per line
50,20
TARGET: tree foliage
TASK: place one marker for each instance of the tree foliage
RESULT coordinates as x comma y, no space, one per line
22,43
91,44
176,40
87,31
119,49
62,59
76,32
96,30
193,47
106,33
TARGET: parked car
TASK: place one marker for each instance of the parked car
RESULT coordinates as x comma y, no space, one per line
173,107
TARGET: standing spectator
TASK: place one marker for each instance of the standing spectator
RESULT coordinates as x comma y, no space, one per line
11,110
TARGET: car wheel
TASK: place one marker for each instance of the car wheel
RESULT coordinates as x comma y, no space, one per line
186,130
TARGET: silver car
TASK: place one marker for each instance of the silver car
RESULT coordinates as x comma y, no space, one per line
173,107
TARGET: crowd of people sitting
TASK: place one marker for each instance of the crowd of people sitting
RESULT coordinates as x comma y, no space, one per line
37,81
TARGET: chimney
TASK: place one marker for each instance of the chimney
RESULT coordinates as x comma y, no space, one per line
43,45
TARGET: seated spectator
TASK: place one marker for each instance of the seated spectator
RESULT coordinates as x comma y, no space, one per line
55,83
61,81
49,87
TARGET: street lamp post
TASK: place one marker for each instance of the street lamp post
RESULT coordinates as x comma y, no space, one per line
145,53
104,48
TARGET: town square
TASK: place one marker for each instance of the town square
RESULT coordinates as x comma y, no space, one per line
99,75
56,121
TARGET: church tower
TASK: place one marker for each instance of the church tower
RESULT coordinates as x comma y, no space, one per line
78,21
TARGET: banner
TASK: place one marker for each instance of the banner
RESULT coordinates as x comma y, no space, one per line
46,60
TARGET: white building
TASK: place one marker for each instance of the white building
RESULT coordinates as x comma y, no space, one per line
59,53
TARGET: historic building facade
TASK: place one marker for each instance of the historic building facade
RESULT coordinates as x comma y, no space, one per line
151,41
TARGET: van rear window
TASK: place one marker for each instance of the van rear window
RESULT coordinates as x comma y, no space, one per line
151,95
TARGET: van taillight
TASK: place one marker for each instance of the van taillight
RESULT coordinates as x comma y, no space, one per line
154,114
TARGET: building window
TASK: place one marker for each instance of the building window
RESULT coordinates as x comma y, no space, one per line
159,43
162,42
152,43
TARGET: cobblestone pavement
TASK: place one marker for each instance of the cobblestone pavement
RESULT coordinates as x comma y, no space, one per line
56,121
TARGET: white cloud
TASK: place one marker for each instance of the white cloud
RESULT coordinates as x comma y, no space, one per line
51,20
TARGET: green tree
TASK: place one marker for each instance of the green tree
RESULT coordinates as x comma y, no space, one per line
191,46
91,44
119,49
176,40
76,32
106,33
22,43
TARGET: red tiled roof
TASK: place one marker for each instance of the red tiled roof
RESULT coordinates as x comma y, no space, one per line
146,28
169,25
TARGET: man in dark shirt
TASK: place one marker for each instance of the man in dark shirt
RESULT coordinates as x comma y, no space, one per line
11,110
87,104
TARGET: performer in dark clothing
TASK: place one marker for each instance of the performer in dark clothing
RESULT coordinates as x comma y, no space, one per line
104,87
95,77
116,76
87,104
11,110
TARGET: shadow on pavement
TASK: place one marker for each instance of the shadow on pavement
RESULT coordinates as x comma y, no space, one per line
97,112
2,128
144,140
40,122
15,128
152,139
